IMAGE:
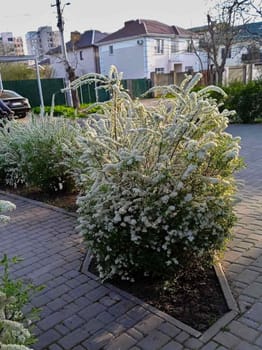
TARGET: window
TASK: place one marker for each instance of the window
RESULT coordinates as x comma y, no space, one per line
223,53
159,48
111,50
189,69
159,70
174,46
81,56
190,46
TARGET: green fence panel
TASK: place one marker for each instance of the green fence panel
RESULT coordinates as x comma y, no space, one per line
29,89
137,87
87,93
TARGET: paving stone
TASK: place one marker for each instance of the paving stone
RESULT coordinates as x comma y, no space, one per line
73,322
73,338
135,334
51,320
98,340
243,331
193,343
247,346
123,342
247,276
57,304
63,330
149,323
210,346
137,312
227,339
255,313
46,339
55,347
172,345
115,328
98,293
182,337
91,311
248,322
155,340
120,308
258,341
169,329
254,290
105,317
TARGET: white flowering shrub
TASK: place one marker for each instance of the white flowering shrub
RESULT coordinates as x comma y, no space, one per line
13,334
32,153
159,181
5,206
15,325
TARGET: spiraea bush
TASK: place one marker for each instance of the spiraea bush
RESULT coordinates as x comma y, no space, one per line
32,153
15,325
159,181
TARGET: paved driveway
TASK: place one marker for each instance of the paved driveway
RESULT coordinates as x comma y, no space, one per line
79,313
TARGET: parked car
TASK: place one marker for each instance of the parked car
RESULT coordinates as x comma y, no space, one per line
18,104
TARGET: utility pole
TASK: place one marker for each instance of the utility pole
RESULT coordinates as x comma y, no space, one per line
60,25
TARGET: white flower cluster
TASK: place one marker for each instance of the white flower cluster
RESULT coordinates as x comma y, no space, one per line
5,206
159,189
13,334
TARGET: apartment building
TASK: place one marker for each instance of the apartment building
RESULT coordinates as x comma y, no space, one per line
41,41
10,45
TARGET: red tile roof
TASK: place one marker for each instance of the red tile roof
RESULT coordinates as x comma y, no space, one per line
141,27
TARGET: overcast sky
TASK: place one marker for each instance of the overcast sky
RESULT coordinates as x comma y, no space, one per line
21,16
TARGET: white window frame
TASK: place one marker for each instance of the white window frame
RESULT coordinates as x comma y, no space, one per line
159,47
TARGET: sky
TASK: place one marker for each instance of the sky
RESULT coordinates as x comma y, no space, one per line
21,16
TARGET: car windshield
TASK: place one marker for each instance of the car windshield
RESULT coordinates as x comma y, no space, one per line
8,94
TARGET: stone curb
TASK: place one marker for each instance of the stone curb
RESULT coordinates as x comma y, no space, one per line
205,336
38,203
231,304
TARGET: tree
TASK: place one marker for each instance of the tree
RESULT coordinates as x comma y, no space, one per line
21,71
223,25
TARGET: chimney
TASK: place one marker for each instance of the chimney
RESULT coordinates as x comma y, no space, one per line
75,37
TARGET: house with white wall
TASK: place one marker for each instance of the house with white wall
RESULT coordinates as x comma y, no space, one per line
144,46
82,52
245,55
244,58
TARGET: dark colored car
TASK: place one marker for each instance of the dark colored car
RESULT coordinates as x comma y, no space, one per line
17,103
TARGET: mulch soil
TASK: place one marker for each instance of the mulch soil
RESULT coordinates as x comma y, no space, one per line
193,295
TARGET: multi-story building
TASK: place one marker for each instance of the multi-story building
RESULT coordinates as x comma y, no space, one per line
143,47
19,46
10,45
41,41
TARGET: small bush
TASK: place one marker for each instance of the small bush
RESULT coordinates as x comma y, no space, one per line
32,153
68,112
15,326
158,182
5,206
245,99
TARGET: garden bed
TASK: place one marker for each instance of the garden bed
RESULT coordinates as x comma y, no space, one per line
193,296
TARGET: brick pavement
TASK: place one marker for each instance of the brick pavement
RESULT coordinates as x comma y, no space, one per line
79,313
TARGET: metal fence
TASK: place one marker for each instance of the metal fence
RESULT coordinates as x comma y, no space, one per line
87,93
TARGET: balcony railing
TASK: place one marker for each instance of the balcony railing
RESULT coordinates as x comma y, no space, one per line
252,57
